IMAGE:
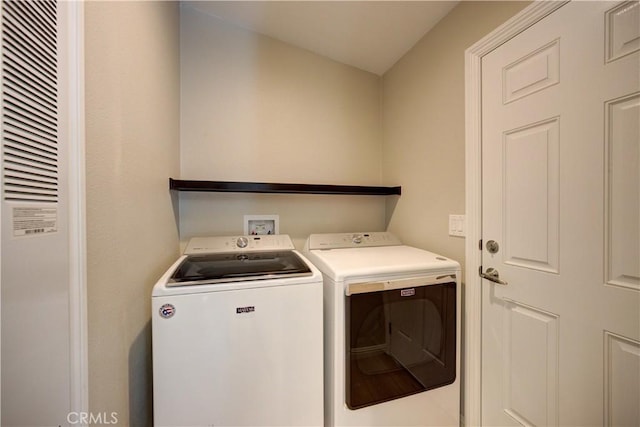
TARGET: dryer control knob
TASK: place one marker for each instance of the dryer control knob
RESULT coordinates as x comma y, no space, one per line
357,239
242,242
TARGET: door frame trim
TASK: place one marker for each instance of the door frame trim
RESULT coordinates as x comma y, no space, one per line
473,196
78,320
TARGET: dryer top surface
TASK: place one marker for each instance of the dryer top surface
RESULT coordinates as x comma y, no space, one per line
347,263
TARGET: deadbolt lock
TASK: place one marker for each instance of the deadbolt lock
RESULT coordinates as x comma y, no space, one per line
493,247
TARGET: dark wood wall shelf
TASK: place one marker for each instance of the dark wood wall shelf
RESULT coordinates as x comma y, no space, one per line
266,187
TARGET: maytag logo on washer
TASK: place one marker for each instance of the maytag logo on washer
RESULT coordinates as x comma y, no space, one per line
407,292
249,309
167,311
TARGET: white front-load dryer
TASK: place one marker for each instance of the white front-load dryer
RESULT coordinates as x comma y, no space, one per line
392,331
237,336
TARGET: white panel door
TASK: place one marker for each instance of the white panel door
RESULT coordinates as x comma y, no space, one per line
42,355
560,186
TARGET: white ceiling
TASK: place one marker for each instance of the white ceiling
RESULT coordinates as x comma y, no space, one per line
370,35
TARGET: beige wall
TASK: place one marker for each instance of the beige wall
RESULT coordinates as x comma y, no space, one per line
132,147
256,109
424,124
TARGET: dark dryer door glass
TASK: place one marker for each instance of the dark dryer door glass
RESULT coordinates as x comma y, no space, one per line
230,267
399,342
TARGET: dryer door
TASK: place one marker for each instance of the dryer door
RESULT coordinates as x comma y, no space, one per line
399,341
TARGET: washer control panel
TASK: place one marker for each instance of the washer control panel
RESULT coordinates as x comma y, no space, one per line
209,245
352,240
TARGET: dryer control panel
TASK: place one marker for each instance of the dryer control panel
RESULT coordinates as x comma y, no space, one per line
352,240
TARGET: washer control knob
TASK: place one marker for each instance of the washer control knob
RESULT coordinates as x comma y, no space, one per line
357,239
242,242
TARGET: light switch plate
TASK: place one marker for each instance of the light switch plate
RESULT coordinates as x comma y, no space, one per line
457,225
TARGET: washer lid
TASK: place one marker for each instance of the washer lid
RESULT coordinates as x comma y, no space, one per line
233,267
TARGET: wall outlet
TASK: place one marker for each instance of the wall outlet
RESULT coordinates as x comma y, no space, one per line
457,225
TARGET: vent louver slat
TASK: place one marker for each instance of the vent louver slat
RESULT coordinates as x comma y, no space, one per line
27,137
21,97
28,150
44,27
29,101
37,179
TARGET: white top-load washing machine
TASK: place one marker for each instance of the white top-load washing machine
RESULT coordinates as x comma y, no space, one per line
237,336
392,331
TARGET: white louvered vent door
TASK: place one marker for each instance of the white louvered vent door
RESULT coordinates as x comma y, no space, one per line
36,346
29,101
